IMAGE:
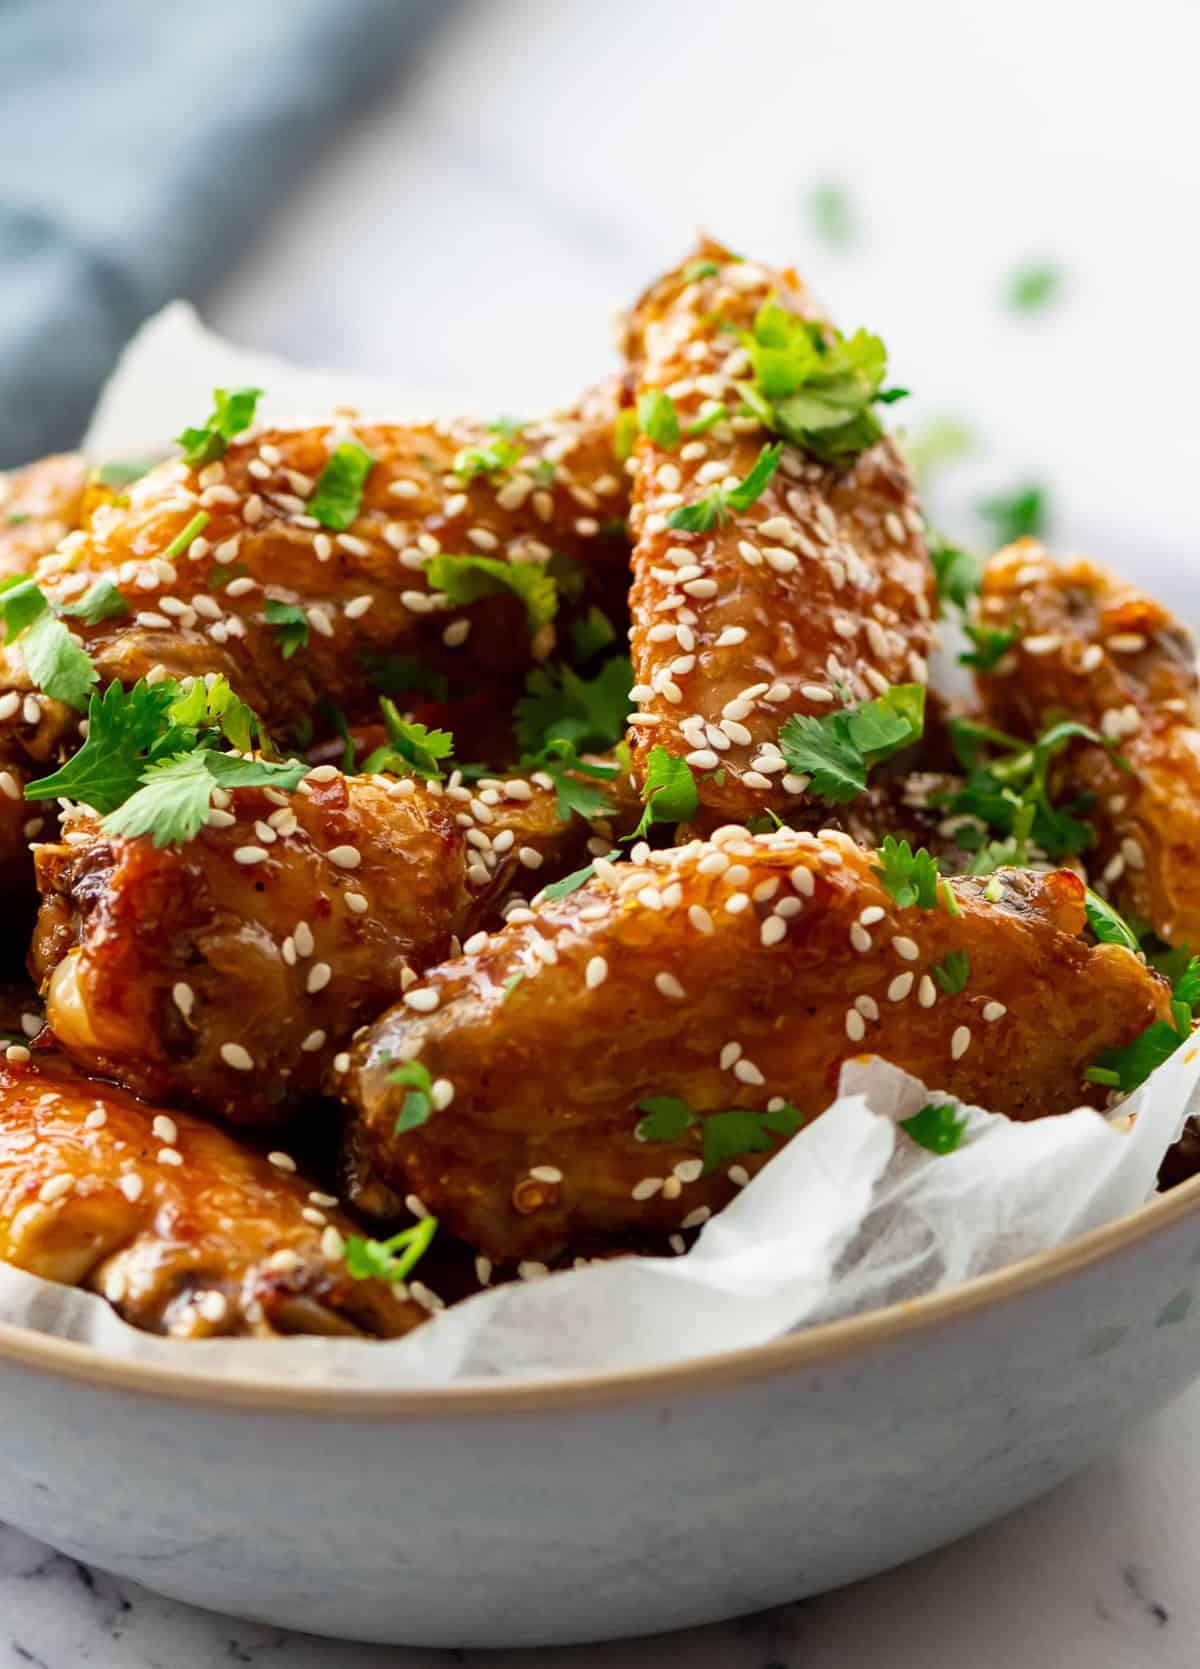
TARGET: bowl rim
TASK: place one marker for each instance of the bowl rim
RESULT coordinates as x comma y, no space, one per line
823,1345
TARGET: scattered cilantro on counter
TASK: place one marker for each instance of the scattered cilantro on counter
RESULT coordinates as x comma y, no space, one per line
832,215
1033,287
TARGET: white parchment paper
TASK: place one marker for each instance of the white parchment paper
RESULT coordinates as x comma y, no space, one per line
849,1216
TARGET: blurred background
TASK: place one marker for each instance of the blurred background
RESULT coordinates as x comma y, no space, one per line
453,194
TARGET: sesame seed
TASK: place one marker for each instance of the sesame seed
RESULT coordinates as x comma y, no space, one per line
646,1188
960,1042
249,855
900,987
747,1073
669,986
234,1055
856,1028
55,1187
165,1129
332,1244
345,857
694,1218
441,1093
423,1001
169,1156
546,1173
926,992
802,879
689,1170
596,972
17,1054
357,607
994,1011
281,1161
314,1041
483,1270
96,1119
319,976
773,930
860,939
871,915
213,1306
131,1185
738,1175
905,948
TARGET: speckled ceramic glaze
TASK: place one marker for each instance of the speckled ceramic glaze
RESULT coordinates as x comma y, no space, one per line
612,1506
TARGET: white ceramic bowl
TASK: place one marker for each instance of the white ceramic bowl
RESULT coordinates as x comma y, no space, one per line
620,1504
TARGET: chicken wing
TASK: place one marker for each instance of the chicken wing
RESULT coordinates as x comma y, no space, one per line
206,559
39,506
734,974
1093,648
183,1231
818,591
225,972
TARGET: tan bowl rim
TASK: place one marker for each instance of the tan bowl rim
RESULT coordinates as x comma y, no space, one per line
824,1344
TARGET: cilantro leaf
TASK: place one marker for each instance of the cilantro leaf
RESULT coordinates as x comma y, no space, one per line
715,506
107,769
952,972
716,413
561,763
937,1128
123,473
1033,286
389,1260
958,573
337,496
658,419
500,455
1127,1067
1021,514
569,883
1109,927
696,270
465,579
101,601
668,790
171,804
291,625
989,645
667,1119
22,601
558,704
837,750
411,749
726,1135
233,410
56,663
592,634
418,1103
1187,983
910,877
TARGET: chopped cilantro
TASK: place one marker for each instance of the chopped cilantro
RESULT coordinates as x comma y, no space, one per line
569,883
952,972
937,1128
562,764
173,801
291,626
101,601
1033,286
222,574
625,433
418,1103
910,877
725,1135
592,634
186,534
511,983
958,573
667,1119
411,748
1021,514
989,645
832,215
716,505
716,413
696,270
669,791
233,410
1109,927
55,662
337,496
465,579
1125,1068
16,518
837,751
559,704
814,386
500,455
389,1260
658,419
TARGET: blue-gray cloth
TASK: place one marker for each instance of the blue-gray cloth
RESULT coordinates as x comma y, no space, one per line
142,145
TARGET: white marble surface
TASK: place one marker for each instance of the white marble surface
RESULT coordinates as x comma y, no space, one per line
468,236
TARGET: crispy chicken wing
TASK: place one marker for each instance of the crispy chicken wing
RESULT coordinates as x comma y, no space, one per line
200,557
225,972
182,1230
39,506
823,582
738,973
1092,648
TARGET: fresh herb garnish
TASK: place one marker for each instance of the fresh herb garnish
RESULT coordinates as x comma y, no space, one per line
1109,927
101,601
418,1102
952,972
716,505
668,790
958,573
119,474
910,877
500,454
191,530
937,1128
989,645
837,751
716,413
562,764
658,419
411,749
389,1260
337,496
592,634
814,386
233,410
559,704
696,270
465,579
1033,286
569,883
625,433
725,1135
56,664
1021,514
290,623
397,675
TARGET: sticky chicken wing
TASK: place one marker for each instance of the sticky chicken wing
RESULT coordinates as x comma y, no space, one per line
817,591
39,506
1096,649
736,974
206,559
226,971
183,1231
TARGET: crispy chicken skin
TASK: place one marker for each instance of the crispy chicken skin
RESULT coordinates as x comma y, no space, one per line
729,974
823,580
226,972
39,506
1094,648
363,589
213,1241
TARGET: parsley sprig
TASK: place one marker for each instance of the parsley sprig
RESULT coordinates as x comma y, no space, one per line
837,750
814,386
725,1135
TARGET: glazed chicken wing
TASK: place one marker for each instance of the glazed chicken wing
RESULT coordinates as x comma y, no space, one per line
183,1231
39,506
1095,649
819,591
225,972
734,974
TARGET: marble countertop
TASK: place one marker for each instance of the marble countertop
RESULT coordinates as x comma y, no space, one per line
468,236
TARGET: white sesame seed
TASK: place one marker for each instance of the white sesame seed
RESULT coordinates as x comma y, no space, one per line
960,1042
746,1072
860,939
773,930
738,1175
546,1173
55,1187
213,1307
131,1185
646,1188
302,938
530,857
596,972
319,976
96,1119
344,857
165,1129
423,1001
871,915
249,855
669,986
314,1041
856,1028
281,1161
169,1156
905,948
994,1011
233,1054
926,992
900,987
17,1054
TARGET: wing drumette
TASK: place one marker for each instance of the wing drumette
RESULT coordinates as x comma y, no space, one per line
39,506
735,974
